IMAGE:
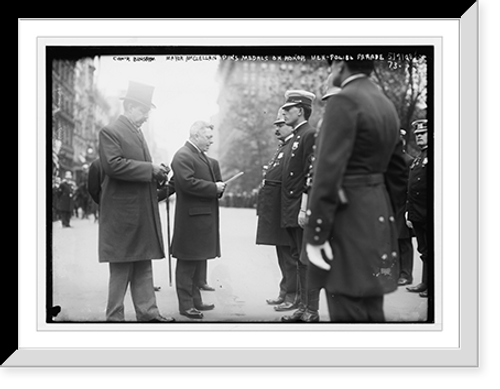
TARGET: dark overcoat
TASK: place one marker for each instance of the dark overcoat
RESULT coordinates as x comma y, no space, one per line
269,230
196,233
297,161
65,196
359,150
417,189
404,231
129,220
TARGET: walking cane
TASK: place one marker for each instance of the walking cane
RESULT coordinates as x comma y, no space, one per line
168,243
168,238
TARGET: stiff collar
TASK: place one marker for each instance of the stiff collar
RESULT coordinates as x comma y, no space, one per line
298,125
352,78
131,124
196,147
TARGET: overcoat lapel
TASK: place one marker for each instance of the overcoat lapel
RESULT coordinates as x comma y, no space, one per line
203,158
137,134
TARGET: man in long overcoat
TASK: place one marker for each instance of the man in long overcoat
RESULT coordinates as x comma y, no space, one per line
297,110
65,198
359,151
196,238
269,230
130,233
417,206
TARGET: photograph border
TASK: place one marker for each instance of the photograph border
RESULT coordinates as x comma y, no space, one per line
464,355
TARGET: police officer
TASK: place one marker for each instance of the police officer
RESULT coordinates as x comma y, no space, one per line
297,110
416,214
269,230
358,181
405,233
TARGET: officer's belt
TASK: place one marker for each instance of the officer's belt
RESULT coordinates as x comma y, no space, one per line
272,182
362,179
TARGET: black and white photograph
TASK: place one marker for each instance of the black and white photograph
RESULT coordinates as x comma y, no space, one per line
254,201
286,185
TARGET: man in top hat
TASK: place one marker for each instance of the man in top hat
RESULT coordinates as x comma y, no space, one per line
130,234
358,182
269,230
416,215
296,111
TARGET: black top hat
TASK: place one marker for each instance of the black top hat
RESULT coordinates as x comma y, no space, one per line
419,126
140,93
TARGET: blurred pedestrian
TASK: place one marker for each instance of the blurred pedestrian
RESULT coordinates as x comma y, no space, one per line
269,230
405,233
65,198
358,182
196,238
297,110
130,234
417,204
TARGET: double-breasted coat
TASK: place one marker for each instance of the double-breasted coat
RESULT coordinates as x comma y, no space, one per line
359,150
196,234
417,189
297,160
129,220
269,230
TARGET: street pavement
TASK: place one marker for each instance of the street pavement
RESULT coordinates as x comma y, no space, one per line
244,277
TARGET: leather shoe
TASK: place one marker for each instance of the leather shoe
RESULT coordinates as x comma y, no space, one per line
294,317
161,319
417,289
205,307
207,288
424,293
275,301
403,281
310,316
192,313
287,306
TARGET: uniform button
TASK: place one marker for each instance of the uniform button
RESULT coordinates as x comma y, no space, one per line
391,218
394,254
313,159
318,229
381,219
319,221
308,212
384,257
293,155
316,237
291,173
291,192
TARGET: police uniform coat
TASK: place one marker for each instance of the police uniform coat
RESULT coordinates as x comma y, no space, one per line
417,189
359,150
297,160
404,231
269,230
129,220
196,233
